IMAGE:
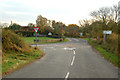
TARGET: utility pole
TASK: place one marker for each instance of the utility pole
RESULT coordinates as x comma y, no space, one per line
119,36
119,11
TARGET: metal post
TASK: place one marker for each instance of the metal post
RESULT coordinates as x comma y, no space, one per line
36,39
104,39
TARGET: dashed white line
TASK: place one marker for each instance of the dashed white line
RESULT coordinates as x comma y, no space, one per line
67,75
73,60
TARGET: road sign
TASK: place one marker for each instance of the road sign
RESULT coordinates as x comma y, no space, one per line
81,34
107,32
49,33
36,29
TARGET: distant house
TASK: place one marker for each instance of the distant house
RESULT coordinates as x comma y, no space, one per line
26,28
25,31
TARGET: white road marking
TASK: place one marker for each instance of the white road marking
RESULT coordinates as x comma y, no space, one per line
74,52
67,75
69,48
65,48
73,60
76,39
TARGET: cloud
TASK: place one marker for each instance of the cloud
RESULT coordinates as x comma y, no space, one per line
67,11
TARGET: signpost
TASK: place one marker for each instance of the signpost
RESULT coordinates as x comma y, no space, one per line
81,34
106,32
35,34
36,30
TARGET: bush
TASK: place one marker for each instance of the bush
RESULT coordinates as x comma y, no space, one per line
112,44
11,41
63,37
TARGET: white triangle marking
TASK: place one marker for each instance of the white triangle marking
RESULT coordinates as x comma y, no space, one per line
36,29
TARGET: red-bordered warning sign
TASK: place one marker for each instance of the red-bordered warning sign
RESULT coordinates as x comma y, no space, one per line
36,29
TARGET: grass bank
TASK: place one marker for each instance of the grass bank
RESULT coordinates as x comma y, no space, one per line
30,40
115,60
16,53
15,60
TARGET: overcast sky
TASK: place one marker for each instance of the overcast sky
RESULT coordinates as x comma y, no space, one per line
67,11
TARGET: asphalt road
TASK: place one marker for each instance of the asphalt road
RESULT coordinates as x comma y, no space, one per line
73,59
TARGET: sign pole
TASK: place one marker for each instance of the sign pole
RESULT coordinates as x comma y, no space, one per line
36,39
105,33
104,39
36,30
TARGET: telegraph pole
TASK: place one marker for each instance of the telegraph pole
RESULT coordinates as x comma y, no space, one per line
119,11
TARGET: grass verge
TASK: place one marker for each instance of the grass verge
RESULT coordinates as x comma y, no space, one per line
13,61
115,60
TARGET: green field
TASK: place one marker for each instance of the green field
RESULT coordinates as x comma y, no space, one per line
30,40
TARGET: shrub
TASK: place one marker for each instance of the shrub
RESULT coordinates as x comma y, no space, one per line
11,41
63,37
112,43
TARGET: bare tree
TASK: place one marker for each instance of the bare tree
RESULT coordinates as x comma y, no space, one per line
3,25
114,13
106,13
101,14
84,23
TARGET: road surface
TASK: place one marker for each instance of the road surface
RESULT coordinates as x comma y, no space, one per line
73,59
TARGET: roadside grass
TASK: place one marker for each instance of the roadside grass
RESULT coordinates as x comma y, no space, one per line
0,69
30,40
115,60
13,61
109,56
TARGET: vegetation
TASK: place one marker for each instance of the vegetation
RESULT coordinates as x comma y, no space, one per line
105,53
14,60
104,19
16,52
14,27
30,40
